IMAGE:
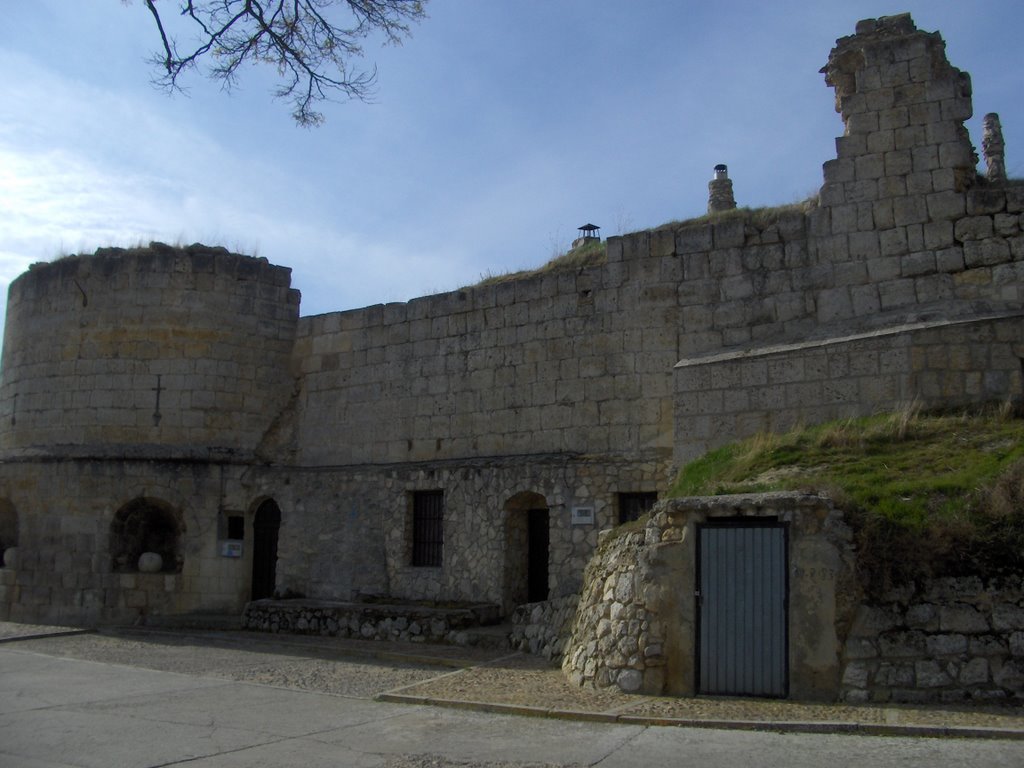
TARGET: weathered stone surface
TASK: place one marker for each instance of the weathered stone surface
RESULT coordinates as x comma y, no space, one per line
1007,616
930,674
946,645
962,618
629,680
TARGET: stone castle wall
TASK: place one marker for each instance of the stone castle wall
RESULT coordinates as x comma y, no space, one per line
137,376
64,562
555,391
572,362
937,363
186,349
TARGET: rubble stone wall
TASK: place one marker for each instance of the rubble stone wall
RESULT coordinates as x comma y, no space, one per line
345,533
406,623
637,618
946,640
544,628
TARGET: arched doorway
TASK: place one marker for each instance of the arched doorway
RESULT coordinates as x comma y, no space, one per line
527,549
265,526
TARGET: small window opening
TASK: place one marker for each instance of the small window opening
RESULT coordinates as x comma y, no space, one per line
634,505
236,527
427,528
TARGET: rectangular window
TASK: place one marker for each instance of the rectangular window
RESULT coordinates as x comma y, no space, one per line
427,528
633,505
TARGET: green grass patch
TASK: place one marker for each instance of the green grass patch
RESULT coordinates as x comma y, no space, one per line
927,495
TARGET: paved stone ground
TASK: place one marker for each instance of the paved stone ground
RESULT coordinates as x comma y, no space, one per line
472,678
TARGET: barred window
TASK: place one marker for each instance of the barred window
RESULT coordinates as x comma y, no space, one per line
633,505
427,528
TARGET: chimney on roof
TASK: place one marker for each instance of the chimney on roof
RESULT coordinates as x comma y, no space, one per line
720,191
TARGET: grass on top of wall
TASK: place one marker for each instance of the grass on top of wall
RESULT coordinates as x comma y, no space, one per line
926,494
587,255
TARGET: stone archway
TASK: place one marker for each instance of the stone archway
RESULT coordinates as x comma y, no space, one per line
527,550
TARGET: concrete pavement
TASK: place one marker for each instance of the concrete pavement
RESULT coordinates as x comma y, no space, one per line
57,712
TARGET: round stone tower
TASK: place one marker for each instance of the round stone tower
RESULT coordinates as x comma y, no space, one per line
155,351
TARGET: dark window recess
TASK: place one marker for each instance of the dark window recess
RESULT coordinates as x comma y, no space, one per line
427,528
236,527
633,505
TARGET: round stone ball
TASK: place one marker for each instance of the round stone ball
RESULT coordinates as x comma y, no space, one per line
150,562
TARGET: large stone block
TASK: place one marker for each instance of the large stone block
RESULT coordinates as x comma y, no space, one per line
870,166
898,162
910,210
694,239
980,253
962,618
915,264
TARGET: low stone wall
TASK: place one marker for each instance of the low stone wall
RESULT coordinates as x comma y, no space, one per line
949,640
409,623
616,640
544,628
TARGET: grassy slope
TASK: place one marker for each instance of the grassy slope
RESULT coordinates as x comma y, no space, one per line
926,495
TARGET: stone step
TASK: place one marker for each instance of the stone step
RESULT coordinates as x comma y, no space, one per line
494,637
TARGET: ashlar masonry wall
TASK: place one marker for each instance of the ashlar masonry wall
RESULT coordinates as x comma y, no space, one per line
947,363
903,282
555,387
151,376
64,570
117,353
572,362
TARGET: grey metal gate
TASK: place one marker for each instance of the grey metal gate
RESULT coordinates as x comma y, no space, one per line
742,607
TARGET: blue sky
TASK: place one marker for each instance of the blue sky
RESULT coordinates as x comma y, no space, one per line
497,129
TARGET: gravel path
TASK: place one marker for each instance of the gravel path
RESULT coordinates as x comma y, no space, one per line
308,669
366,669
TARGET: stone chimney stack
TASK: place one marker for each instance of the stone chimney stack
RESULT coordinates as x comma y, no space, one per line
720,191
993,148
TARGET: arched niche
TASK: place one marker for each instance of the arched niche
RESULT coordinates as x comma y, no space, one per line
146,525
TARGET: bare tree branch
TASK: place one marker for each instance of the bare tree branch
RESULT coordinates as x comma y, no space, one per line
311,44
